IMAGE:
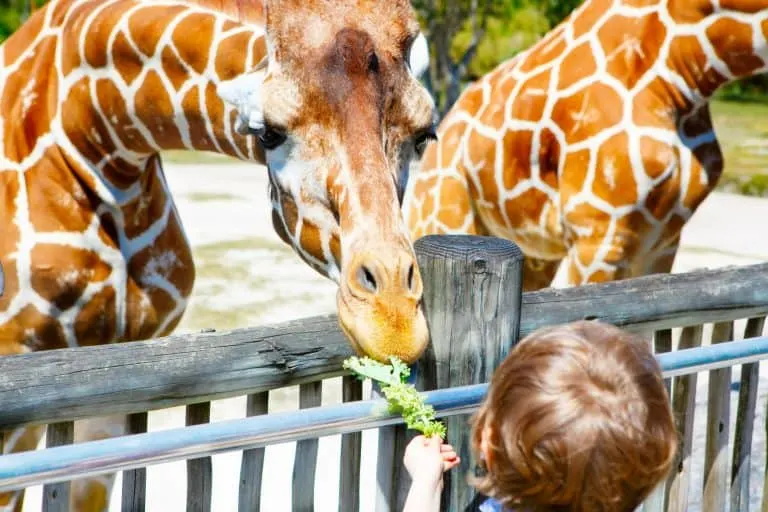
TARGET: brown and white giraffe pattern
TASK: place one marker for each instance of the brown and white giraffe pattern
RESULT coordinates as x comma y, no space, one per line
595,143
93,258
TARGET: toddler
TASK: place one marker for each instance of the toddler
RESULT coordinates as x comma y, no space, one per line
576,419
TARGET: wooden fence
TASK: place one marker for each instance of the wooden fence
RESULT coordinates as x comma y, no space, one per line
475,310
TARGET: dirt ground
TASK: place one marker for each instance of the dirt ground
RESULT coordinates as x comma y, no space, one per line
247,276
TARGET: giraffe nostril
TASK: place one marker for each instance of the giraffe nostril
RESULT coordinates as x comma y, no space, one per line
366,278
410,277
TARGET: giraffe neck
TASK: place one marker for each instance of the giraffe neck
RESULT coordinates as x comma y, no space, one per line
710,44
147,73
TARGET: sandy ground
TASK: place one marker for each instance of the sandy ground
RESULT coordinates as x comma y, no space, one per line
247,276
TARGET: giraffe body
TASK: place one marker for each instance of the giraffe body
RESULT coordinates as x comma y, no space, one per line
596,144
91,91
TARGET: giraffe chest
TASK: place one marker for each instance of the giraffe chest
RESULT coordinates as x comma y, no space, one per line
79,272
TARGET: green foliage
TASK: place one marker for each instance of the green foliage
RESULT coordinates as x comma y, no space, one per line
505,37
402,398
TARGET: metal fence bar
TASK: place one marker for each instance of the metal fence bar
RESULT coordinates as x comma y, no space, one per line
129,452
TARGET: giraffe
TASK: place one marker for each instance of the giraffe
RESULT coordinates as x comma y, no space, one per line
324,93
593,147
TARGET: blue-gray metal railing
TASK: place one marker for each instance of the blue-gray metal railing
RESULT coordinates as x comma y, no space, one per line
129,452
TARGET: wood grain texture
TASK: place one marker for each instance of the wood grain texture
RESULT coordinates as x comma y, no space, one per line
351,444
180,370
252,465
684,408
199,471
305,460
718,422
134,495
745,423
56,496
473,305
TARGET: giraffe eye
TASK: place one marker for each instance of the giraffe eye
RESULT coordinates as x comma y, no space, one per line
271,138
422,139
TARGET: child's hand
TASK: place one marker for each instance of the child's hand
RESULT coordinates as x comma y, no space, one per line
426,458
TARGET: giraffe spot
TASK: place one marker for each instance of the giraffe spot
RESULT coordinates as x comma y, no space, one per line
471,100
449,143
60,11
100,30
658,157
639,3
664,196
95,324
749,6
631,46
215,109
454,203
310,240
121,173
689,11
544,52
60,274
107,229
574,172
658,104
503,87
147,26
688,59
57,200
155,110
335,245
165,261
290,212
115,111
674,226
549,157
194,51
698,122
126,61
9,189
258,51
493,115
732,41
587,18
197,132
481,156
577,65
516,154
586,226
706,168
231,55
530,102
143,211
587,112
525,209
614,180
25,100
33,329
81,122
173,68
20,43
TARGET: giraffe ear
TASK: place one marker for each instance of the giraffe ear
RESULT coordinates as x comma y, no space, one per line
244,93
418,56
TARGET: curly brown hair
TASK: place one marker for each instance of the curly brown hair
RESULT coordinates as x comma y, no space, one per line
577,418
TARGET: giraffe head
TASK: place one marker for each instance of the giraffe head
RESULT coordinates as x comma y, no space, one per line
338,109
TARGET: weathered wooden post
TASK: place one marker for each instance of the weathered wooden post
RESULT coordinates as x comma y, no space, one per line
472,300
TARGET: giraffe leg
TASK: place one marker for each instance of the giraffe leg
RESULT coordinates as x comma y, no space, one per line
19,440
538,274
92,494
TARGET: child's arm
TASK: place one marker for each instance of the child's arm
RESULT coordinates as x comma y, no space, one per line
426,459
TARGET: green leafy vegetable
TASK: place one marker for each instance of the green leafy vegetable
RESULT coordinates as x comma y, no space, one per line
402,398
